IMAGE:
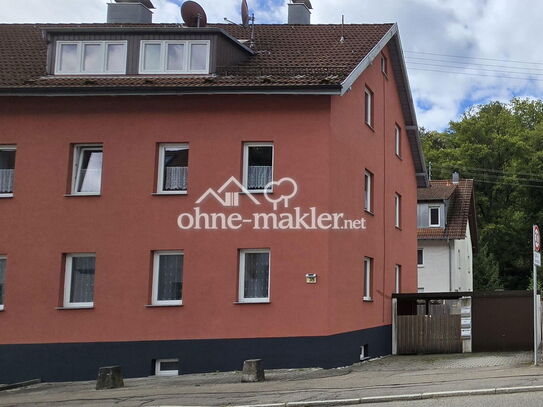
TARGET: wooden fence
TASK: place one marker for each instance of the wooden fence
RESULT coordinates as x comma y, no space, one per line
420,334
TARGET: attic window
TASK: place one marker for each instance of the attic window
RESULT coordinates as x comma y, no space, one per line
174,57
90,57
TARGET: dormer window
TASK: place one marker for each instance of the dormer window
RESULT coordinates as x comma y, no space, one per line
90,58
174,57
435,220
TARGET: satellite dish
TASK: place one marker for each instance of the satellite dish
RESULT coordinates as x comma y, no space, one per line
244,13
193,14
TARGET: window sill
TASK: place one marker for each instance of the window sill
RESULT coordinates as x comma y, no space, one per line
370,126
170,193
251,302
367,299
163,305
369,212
75,308
399,157
6,196
398,228
81,195
257,191
420,266
1,308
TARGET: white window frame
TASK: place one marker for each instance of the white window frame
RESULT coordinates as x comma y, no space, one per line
241,288
68,281
161,154
5,258
368,196
397,278
433,225
80,57
368,277
384,65
76,167
160,372
420,249
156,265
368,107
397,210
398,141
164,57
9,148
246,147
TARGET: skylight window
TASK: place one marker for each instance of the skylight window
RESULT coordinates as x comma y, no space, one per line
174,57
90,58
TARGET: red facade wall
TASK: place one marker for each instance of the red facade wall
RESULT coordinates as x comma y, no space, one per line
321,142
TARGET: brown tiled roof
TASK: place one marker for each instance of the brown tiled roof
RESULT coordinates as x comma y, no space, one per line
286,56
439,190
461,209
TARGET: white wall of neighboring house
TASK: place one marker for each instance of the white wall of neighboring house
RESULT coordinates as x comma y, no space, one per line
448,266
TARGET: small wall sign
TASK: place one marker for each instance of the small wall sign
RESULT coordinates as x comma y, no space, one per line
311,278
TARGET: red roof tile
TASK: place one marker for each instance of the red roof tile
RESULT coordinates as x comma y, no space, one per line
286,56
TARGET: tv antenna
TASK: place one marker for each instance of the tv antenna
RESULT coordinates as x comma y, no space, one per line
193,14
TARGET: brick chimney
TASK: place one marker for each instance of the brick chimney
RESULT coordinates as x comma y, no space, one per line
299,12
130,11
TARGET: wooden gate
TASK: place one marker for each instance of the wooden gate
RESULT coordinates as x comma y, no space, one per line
438,333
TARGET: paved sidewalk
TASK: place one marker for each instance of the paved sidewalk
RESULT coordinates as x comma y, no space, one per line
386,376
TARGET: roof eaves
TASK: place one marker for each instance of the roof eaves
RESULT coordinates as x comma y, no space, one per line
171,91
368,59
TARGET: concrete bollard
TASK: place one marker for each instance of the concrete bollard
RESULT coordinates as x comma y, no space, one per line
253,371
110,377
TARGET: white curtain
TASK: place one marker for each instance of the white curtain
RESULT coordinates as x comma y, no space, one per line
259,176
170,277
176,179
6,181
82,284
257,275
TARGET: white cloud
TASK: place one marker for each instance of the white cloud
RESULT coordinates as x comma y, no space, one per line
498,29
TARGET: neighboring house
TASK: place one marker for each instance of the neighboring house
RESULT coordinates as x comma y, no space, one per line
108,132
447,233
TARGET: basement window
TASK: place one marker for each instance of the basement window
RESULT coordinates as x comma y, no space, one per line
7,170
174,57
90,57
364,352
167,367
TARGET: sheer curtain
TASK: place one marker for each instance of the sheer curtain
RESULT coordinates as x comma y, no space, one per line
6,181
176,179
256,275
82,283
170,277
259,176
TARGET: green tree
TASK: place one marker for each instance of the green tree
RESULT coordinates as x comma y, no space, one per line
500,146
486,271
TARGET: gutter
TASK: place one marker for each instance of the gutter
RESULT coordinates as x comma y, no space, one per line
169,91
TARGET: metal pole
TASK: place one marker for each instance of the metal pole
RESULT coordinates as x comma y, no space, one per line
534,280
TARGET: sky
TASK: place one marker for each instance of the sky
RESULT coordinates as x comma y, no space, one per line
459,53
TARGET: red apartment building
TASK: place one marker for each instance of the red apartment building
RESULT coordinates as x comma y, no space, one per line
109,132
